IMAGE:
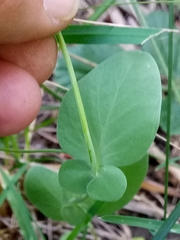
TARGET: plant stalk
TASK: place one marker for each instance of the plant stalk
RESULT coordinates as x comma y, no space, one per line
170,69
82,114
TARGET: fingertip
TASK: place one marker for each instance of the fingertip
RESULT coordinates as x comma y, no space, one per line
20,99
23,21
37,57
60,9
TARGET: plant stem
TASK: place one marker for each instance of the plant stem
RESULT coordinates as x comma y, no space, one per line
80,106
170,69
14,141
171,85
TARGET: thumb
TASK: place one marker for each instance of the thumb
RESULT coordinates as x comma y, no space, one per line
23,20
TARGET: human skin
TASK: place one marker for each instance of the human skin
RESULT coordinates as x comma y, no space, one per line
28,55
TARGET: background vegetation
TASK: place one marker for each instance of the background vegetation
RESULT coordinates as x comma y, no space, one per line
152,27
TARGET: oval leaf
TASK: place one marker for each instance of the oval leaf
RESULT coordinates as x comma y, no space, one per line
109,185
43,190
87,51
74,176
135,174
123,116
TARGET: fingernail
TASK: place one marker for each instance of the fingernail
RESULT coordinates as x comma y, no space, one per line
61,9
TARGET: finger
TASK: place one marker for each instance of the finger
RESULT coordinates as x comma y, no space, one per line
36,57
20,98
23,20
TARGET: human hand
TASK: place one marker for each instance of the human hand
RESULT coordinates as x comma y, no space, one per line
28,54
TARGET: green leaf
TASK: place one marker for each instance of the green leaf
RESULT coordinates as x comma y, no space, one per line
122,115
73,214
157,47
93,53
14,179
175,116
106,34
99,10
150,224
19,208
160,19
43,190
74,176
109,185
168,224
171,162
135,174
65,236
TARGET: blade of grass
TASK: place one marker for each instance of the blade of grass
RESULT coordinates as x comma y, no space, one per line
101,9
170,69
49,108
171,162
51,92
19,208
106,34
150,224
168,224
45,123
14,179
32,151
127,3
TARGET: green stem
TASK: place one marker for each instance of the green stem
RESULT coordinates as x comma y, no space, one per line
27,143
170,69
80,106
171,86
14,141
